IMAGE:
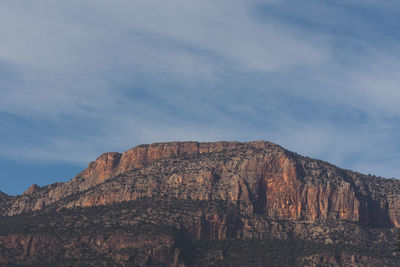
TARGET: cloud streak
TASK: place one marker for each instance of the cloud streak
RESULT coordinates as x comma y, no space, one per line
82,77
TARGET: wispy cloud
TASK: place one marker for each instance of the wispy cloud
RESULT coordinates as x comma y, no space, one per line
77,53
78,78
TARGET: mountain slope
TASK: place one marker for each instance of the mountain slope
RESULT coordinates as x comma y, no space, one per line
218,199
4,202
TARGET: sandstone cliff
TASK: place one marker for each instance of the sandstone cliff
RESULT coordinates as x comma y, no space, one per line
210,191
260,177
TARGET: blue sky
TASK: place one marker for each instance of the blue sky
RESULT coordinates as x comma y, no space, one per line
79,78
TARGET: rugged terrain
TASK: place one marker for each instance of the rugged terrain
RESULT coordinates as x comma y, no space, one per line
197,204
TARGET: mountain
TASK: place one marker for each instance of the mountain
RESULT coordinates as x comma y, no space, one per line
196,204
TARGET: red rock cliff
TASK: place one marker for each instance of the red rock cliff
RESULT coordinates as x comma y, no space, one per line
113,163
260,177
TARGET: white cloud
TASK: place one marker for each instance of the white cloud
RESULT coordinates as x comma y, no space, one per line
81,59
70,54
377,87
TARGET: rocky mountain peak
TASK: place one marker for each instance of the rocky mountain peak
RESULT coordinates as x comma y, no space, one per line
162,195
32,189
260,177
111,164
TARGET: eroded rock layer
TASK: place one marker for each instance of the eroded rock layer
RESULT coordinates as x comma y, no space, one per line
261,177
265,192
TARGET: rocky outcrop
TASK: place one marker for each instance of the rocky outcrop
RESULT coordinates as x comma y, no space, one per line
32,189
259,177
111,164
163,201
262,178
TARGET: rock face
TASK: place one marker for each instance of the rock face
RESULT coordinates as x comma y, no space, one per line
263,185
32,189
112,164
259,176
